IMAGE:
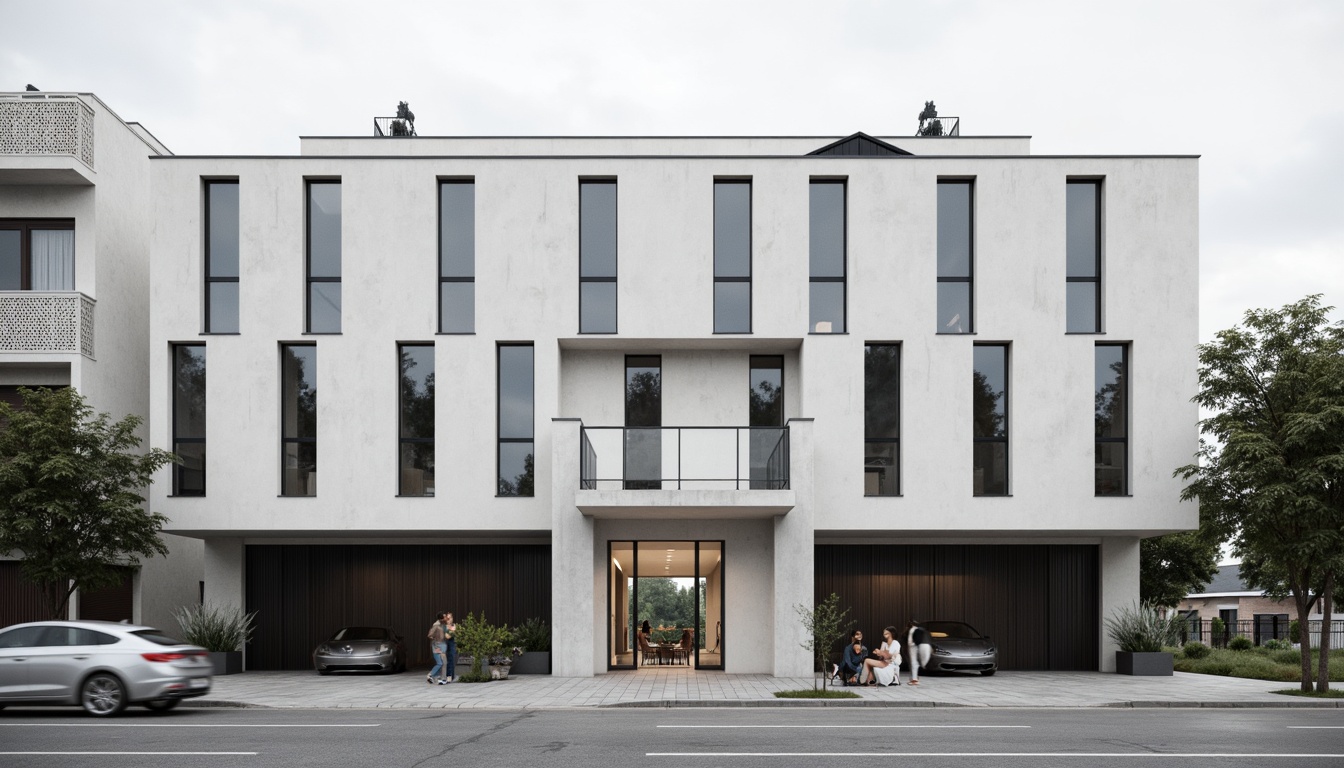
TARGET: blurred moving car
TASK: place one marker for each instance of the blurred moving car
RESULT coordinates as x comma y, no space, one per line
99,665
376,649
957,647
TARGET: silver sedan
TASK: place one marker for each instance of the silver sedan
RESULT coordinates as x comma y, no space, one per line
957,647
375,649
99,665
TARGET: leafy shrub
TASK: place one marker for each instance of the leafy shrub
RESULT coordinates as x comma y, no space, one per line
480,640
1140,628
1276,645
533,635
1240,643
1196,650
215,627
1291,657
1294,631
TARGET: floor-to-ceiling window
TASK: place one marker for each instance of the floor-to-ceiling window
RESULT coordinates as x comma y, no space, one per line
665,604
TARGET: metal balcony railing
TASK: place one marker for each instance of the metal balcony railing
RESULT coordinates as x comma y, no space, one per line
46,124
684,458
940,126
393,126
46,321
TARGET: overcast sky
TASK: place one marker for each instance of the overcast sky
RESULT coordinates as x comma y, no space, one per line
1256,88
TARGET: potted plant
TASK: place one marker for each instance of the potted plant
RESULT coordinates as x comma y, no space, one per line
500,664
1142,632
221,630
481,641
533,637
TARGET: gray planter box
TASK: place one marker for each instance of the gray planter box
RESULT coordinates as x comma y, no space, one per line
532,663
226,662
1156,664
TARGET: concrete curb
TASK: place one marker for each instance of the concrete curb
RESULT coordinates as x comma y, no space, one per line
814,703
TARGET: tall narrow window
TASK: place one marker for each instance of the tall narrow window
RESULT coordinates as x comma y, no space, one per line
769,451
516,373
324,257
189,419
457,257
37,255
643,422
732,257
826,256
298,419
990,407
597,256
956,257
881,420
221,257
1112,415
416,427
1083,297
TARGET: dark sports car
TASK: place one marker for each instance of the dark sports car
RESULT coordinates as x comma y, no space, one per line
957,647
375,649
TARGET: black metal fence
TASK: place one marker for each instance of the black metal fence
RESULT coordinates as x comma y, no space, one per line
1219,633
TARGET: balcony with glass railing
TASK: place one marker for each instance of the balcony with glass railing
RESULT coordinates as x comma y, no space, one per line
690,471
46,322
46,138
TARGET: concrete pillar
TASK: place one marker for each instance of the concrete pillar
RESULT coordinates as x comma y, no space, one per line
795,555
1119,587
224,581
573,609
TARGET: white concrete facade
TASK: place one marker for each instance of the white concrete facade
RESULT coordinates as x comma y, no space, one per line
102,186
526,290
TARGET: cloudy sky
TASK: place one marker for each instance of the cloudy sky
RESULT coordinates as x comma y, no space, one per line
1253,87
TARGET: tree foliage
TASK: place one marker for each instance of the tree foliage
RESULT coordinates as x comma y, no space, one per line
826,626
1272,477
1175,565
70,500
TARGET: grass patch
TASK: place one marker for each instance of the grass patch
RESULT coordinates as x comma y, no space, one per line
1258,664
816,693
1333,693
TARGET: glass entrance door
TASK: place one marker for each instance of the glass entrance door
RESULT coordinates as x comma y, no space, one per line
665,604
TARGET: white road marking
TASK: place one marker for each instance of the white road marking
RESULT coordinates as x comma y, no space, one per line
1323,727
183,725
828,727
992,754
105,754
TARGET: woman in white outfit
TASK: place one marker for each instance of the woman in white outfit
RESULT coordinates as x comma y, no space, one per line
884,665
918,647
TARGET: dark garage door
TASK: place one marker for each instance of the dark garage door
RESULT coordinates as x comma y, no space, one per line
1038,602
304,593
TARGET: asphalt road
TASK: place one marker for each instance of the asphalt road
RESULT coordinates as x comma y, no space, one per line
679,738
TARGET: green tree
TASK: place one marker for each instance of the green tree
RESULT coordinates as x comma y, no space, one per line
825,625
1272,478
70,498
1173,566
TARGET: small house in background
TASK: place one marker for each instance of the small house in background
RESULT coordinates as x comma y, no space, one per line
1246,612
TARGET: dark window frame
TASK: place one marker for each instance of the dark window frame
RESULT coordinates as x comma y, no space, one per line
308,257
285,440
751,244
25,228
616,218
844,261
970,258
1007,422
500,440
439,256
210,279
401,409
176,437
1096,271
1123,441
895,441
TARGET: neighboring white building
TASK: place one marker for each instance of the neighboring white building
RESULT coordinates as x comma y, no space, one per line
75,221
950,441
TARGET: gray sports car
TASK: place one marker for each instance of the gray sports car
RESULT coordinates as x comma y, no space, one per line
957,647
376,649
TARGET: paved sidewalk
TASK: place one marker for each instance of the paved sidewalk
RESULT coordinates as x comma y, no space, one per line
688,688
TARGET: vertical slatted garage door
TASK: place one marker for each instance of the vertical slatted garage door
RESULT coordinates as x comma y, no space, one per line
304,593
20,599
114,603
1038,602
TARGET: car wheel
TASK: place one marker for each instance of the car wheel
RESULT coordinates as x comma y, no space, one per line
102,695
162,705
988,672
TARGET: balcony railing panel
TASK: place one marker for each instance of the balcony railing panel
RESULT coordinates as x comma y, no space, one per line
684,458
52,124
42,321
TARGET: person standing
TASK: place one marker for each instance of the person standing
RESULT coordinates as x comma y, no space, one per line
436,649
918,647
449,647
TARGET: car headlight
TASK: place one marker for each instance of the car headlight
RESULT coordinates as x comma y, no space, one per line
940,652
384,648
323,648
991,651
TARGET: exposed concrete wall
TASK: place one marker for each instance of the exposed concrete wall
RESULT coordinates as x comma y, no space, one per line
1119,588
574,634
795,556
